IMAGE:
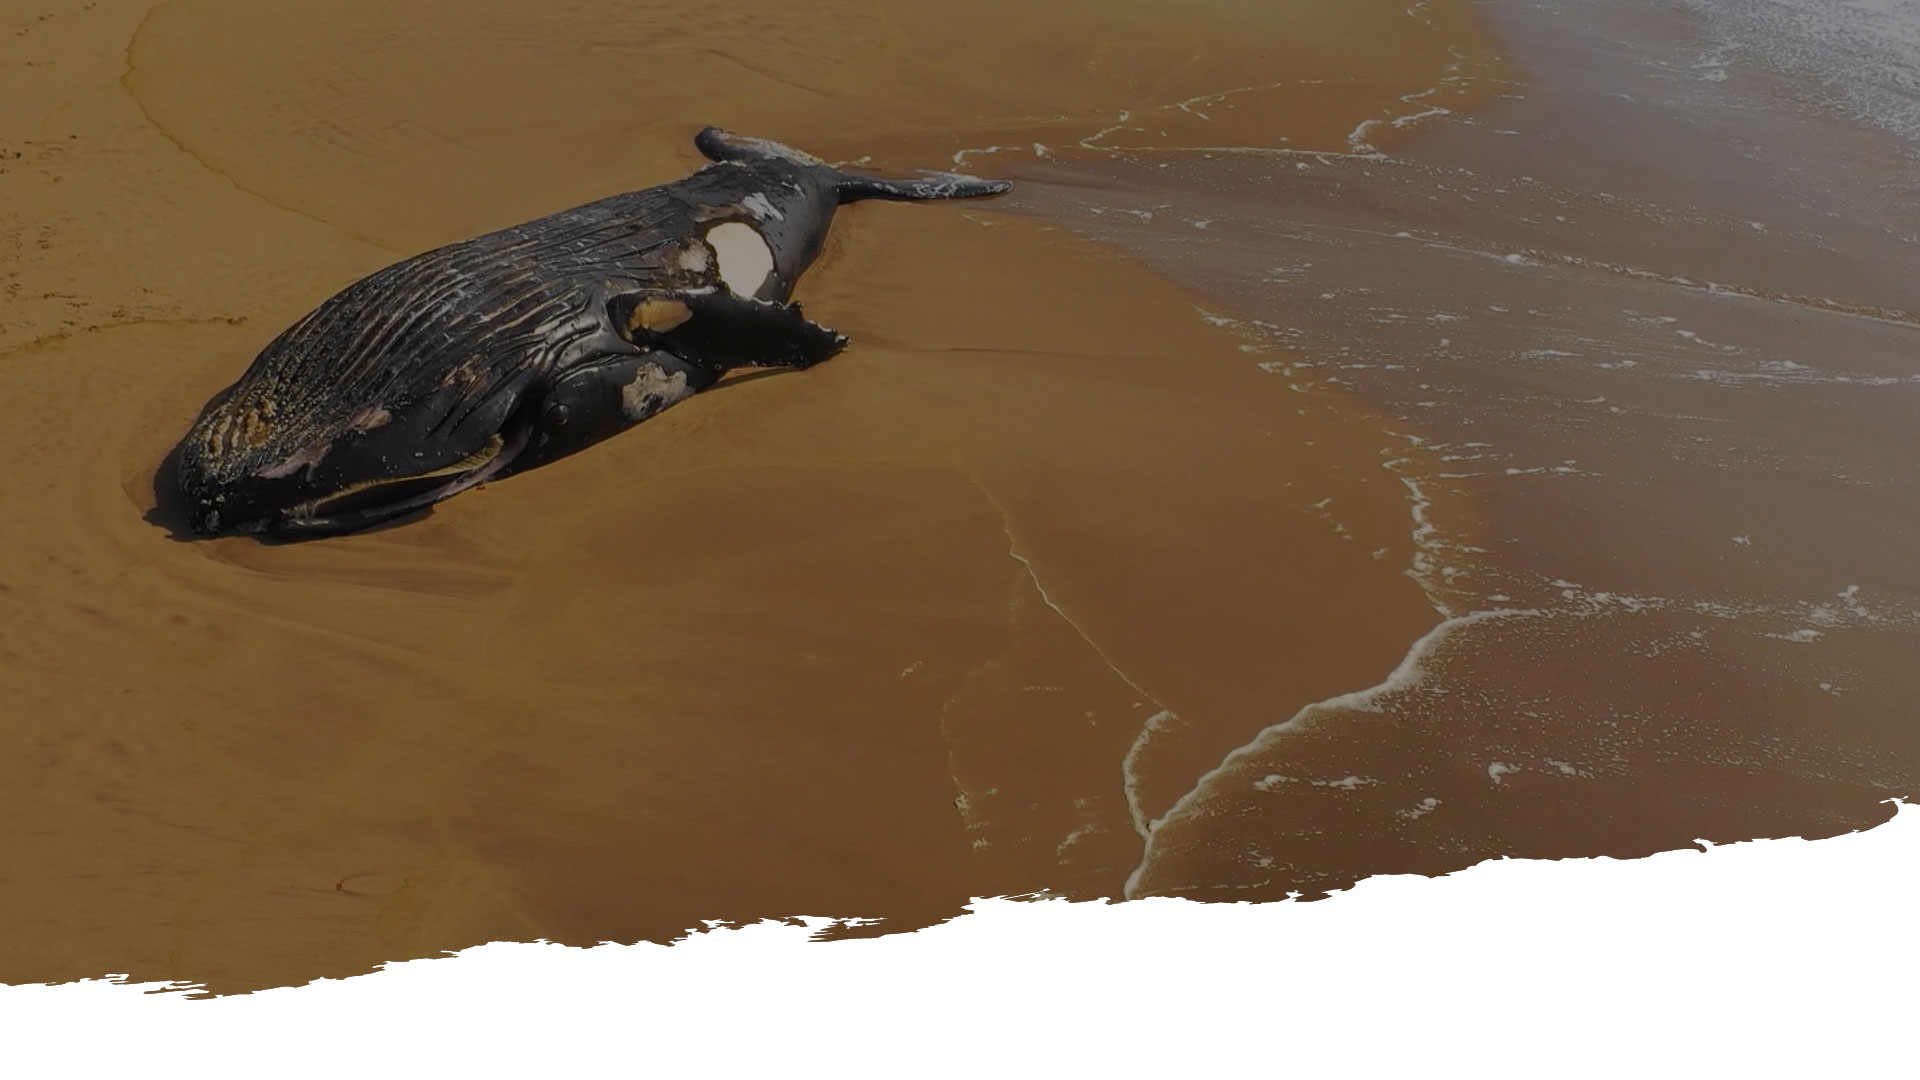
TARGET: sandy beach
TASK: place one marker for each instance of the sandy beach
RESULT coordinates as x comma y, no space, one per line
1363,443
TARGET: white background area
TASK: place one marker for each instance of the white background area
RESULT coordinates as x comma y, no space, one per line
1772,958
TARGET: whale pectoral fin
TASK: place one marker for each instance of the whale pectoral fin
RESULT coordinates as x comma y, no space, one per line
718,330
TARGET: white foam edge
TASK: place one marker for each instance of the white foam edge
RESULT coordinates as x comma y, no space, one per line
1407,674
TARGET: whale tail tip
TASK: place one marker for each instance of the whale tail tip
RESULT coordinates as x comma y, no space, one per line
721,145
928,185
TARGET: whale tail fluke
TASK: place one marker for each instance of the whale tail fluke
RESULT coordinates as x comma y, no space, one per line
722,145
929,185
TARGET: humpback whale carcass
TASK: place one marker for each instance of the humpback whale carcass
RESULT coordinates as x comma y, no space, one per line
521,346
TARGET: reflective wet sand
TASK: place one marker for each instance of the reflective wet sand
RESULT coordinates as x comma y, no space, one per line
960,613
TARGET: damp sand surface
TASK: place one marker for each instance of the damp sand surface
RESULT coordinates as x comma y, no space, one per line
1646,328
960,613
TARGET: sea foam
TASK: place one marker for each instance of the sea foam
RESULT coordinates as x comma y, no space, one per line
1864,54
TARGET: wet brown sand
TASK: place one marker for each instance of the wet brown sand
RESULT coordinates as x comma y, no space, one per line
1648,337
864,642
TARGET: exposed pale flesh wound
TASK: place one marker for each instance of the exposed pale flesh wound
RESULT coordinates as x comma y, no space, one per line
762,208
651,390
744,257
659,314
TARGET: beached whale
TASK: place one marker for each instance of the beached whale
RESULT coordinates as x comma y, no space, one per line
513,349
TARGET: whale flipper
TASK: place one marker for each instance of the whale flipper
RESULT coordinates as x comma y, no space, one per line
718,330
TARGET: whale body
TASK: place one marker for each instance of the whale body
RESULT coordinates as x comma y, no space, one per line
510,350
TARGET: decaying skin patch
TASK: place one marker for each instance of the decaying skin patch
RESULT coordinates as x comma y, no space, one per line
651,390
696,257
748,146
367,419
468,374
371,417
305,459
658,315
762,208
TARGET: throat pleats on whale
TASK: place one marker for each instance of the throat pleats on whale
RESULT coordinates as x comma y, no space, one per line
377,491
745,260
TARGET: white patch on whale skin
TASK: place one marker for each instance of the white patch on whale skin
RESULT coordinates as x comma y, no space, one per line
696,257
745,259
652,390
770,148
761,208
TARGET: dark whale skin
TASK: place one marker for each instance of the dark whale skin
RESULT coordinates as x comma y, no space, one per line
512,349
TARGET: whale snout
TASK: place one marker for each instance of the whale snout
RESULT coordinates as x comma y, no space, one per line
375,462
214,505
328,501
